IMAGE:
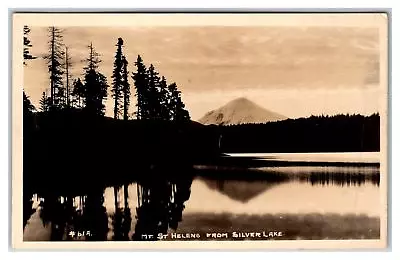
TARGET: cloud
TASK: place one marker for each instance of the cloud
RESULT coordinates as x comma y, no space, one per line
205,59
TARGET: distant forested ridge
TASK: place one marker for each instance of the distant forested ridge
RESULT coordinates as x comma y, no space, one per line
339,133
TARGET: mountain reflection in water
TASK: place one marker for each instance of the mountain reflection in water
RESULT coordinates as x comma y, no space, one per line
286,198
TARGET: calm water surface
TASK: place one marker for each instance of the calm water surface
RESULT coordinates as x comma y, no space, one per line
318,196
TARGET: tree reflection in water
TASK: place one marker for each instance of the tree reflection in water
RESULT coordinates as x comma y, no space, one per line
94,217
53,213
160,206
121,222
85,219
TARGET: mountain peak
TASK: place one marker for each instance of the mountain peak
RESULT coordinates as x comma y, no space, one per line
240,111
241,99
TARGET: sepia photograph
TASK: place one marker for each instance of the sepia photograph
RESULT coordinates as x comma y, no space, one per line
258,130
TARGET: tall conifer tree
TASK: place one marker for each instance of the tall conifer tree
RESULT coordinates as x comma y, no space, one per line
153,93
117,83
55,59
141,82
176,106
27,105
44,102
126,88
95,87
68,65
164,99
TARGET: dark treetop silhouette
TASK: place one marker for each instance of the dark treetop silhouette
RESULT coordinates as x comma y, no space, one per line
67,152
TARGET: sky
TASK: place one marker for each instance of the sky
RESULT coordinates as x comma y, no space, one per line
292,70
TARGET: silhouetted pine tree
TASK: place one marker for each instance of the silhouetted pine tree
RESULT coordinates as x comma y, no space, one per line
141,82
68,65
28,107
153,94
116,91
44,102
95,90
78,93
27,45
164,99
156,100
126,88
55,65
117,83
176,106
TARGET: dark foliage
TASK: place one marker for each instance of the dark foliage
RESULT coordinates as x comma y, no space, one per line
176,106
140,81
27,45
160,206
95,92
44,102
55,61
68,65
28,108
340,133
153,95
28,150
117,84
78,93
91,157
126,88
95,86
156,100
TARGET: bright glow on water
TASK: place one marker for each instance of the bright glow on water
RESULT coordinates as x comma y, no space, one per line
314,157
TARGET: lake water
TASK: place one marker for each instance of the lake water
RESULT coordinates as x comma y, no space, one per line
285,202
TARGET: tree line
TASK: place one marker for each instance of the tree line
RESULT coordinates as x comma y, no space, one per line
156,99
66,98
339,133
